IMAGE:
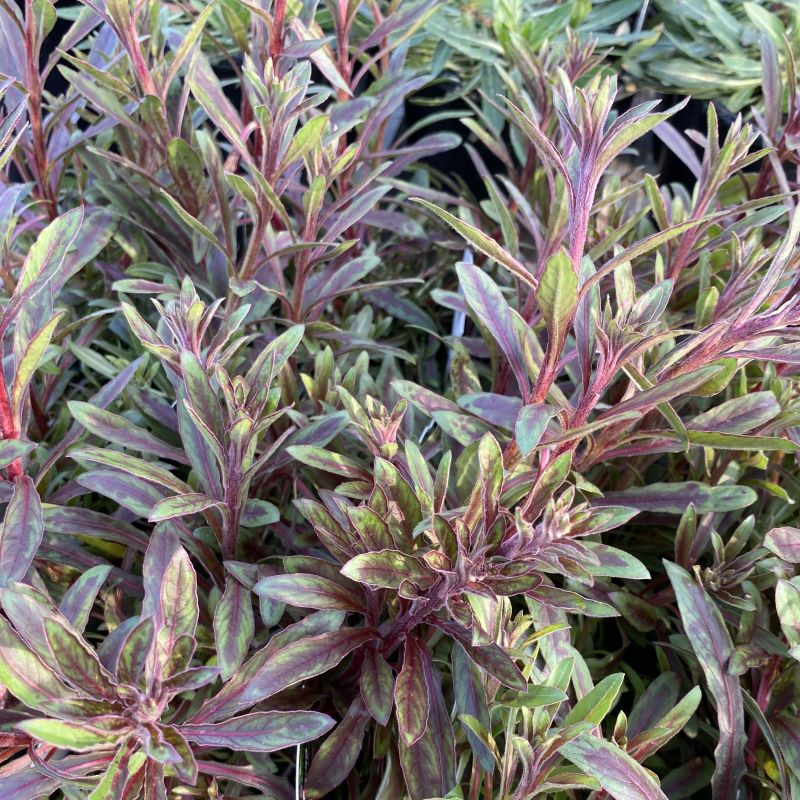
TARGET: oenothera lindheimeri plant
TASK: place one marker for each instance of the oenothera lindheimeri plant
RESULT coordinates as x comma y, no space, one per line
297,504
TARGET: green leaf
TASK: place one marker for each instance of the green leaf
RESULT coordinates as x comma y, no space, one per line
304,140
377,685
309,591
557,297
674,498
411,699
530,426
182,505
93,734
386,569
594,706
481,242
234,626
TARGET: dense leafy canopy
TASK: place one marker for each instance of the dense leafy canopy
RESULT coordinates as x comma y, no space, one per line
383,415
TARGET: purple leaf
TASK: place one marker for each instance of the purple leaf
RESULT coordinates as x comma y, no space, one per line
713,647
22,531
262,732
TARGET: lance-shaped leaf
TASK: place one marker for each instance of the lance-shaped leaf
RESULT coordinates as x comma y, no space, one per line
557,297
27,366
429,765
44,260
481,242
309,591
22,531
234,626
182,505
411,699
302,660
594,706
493,313
530,426
92,734
29,680
76,605
665,391
386,569
261,732
274,356
377,685
77,662
338,754
178,607
328,461
621,776
148,470
470,698
713,647
119,430
674,498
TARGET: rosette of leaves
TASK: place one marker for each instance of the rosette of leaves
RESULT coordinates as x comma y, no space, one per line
119,721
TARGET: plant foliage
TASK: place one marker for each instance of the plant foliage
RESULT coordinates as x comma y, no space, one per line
377,422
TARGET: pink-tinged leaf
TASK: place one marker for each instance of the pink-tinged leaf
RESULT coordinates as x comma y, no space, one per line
77,662
119,430
740,415
234,626
181,505
621,776
83,522
19,779
92,734
470,697
674,498
412,704
76,605
177,609
134,650
496,409
29,680
229,699
44,260
377,685
135,494
664,391
482,242
302,660
785,543
337,756
530,426
22,531
493,313
262,732
309,591
386,569
270,785
429,766
713,647
328,461
490,657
